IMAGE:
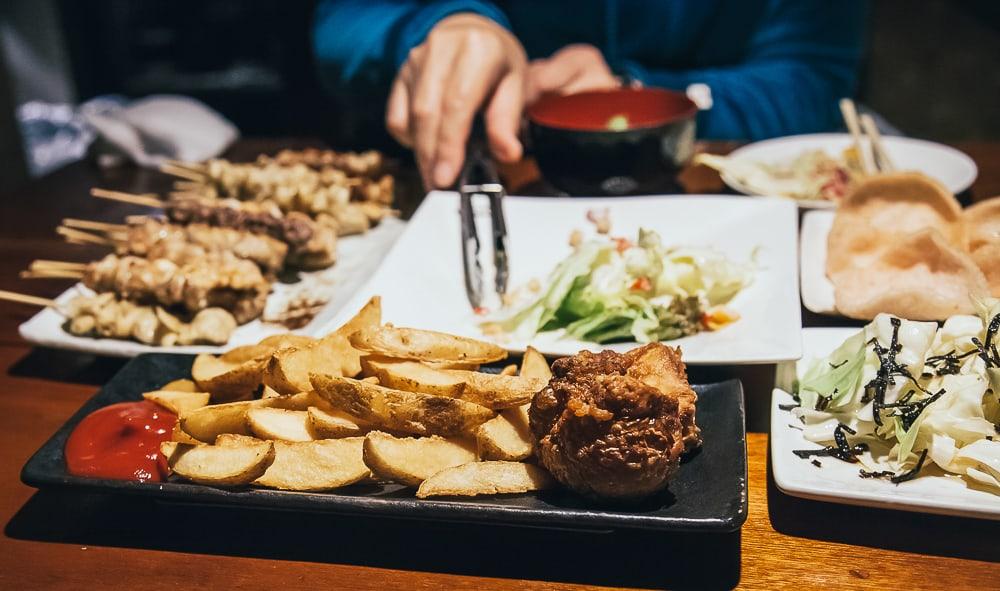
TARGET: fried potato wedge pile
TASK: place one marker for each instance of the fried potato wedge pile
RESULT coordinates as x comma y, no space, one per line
366,403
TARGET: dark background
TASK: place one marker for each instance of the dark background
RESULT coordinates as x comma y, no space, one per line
931,69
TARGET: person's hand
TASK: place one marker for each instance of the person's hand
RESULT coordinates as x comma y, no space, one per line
467,62
574,68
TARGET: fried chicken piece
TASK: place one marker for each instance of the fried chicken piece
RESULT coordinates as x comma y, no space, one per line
613,425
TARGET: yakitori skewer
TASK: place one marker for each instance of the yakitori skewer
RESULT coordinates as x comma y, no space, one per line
368,163
293,188
232,284
308,239
106,316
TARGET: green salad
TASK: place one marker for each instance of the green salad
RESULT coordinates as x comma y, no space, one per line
617,290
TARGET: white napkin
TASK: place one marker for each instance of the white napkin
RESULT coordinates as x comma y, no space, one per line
157,128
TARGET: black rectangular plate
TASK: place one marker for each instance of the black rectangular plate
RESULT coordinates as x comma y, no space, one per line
708,494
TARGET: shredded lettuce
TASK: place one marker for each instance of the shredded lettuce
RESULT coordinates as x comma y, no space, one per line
612,290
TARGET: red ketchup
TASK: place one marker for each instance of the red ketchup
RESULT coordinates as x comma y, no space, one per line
121,442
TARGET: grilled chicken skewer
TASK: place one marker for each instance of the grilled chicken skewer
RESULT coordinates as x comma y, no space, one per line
106,316
225,282
292,188
368,163
312,244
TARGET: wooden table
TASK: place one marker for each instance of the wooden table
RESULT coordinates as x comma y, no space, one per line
57,540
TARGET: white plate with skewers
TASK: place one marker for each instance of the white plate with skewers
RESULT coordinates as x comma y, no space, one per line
357,258
807,167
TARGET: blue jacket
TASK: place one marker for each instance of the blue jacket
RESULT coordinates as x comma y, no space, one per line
775,67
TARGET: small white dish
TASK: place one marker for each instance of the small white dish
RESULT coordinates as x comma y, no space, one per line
952,168
817,289
421,280
838,482
357,258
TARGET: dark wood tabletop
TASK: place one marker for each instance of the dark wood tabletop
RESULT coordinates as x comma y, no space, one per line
72,540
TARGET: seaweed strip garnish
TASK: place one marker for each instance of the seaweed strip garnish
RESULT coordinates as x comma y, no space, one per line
842,451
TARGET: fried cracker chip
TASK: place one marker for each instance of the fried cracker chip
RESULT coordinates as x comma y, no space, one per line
920,277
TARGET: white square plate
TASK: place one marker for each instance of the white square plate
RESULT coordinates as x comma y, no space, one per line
421,280
838,482
357,257
817,289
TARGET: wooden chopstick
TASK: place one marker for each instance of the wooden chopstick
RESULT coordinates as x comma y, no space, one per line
850,113
882,159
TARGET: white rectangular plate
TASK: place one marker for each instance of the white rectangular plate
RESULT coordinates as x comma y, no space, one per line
357,258
838,482
421,280
817,289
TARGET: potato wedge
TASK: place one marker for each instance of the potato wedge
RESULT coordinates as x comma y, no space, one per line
425,345
245,353
333,424
396,410
316,465
184,385
534,365
412,376
227,382
286,339
497,391
288,369
279,424
177,402
509,370
506,437
412,460
218,466
234,440
485,478
269,392
451,365
208,422
177,434
369,316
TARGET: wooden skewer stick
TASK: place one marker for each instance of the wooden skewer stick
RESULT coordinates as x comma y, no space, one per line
183,173
198,166
188,185
82,236
40,263
51,274
884,162
31,300
850,113
92,225
148,199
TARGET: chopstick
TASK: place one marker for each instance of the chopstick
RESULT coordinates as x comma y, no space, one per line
850,113
883,162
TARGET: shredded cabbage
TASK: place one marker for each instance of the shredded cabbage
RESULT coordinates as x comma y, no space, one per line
912,389
612,290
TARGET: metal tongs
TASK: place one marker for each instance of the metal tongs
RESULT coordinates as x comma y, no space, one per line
479,177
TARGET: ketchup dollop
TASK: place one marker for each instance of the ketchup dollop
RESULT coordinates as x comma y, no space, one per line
121,442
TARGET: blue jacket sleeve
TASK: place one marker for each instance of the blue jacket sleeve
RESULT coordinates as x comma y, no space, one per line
361,43
800,60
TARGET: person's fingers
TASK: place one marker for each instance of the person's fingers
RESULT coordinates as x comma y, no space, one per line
551,75
425,104
503,118
397,111
594,80
472,78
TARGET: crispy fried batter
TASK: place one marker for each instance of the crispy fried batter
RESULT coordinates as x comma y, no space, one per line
615,425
